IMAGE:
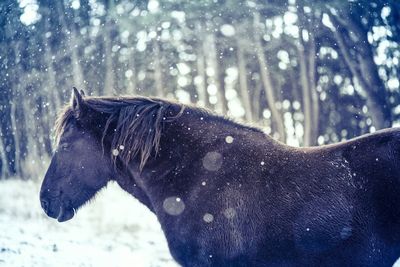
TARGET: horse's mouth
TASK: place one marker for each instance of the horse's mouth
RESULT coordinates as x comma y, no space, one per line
65,213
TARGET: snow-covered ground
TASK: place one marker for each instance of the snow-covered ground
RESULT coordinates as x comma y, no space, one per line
113,230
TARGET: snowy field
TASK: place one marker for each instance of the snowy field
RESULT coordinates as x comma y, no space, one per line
113,230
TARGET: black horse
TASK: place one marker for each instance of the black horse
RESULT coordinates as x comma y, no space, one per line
226,194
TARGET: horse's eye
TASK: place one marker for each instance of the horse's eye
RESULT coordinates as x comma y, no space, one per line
64,146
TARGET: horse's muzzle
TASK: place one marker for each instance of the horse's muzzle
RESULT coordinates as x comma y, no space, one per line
56,209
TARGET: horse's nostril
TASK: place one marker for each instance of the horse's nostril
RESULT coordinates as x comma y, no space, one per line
44,204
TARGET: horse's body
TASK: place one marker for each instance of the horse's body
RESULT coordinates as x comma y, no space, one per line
228,195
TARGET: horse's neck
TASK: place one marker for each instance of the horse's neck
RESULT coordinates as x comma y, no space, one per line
128,181
186,141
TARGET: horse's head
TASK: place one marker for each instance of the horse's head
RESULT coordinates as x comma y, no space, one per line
78,168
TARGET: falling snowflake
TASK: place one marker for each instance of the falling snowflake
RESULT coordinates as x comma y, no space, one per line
173,206
212,161
208,218
229,139
115,152
229,213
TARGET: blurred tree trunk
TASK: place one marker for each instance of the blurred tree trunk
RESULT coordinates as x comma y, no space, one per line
45,124
307,109
312,74
132,80
18,113
21,135
306,56
9,64
394,19
158,75
55,102
352,40
16,127
221,90
8,140
256,103
218,76
73,46
266,80
49,99
201,77
39,122
75,58
244,90
30,125
3,162
109,82
201,84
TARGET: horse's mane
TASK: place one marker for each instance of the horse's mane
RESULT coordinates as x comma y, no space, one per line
135,123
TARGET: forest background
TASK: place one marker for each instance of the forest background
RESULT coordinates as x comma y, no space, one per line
307,72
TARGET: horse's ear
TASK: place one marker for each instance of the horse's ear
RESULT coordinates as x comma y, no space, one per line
77,103
82,93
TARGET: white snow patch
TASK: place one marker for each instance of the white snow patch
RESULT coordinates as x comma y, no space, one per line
116,230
